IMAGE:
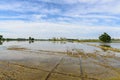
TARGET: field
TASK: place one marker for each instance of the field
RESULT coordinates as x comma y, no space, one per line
55,60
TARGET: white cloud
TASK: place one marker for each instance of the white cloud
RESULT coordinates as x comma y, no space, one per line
13,17
49,30
77,10
92,16
65,14
77,1
26,6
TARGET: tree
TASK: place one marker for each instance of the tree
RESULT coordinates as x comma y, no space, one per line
1,37
105,37
31,39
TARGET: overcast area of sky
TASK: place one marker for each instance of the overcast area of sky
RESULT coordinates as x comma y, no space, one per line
81,19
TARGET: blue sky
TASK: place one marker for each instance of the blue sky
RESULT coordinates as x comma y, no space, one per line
81,19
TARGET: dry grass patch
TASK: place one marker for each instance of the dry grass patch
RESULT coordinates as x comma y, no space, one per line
17,48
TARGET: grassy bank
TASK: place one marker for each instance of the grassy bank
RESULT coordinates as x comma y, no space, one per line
106,48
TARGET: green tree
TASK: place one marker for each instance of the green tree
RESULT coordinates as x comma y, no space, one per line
54,39
31,39
105,37
1,37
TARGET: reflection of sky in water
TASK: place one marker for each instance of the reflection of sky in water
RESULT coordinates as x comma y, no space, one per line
115,45
52,46
44,45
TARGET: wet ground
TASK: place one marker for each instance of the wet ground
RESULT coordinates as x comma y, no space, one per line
21,63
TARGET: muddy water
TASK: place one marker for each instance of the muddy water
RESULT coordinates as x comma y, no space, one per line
45,60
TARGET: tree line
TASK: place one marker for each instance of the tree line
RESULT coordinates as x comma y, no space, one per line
103,37
16,39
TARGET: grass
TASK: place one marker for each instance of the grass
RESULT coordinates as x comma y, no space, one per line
106,48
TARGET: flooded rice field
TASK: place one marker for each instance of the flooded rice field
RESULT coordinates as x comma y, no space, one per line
45,60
